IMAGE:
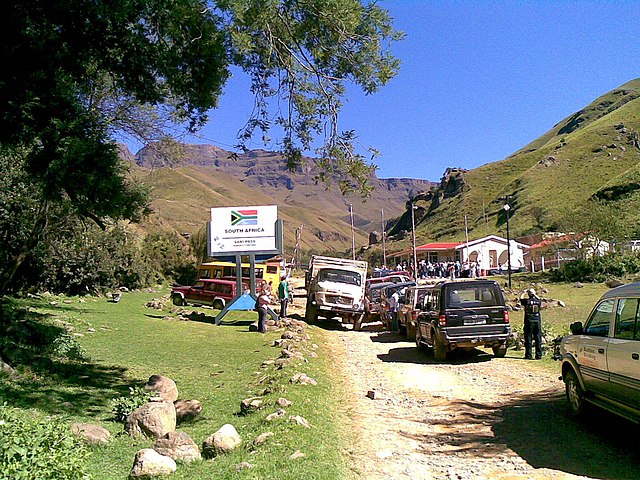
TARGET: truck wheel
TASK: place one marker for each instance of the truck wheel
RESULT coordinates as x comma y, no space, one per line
178,300
311,314
575,394
218,304
439,348
500,351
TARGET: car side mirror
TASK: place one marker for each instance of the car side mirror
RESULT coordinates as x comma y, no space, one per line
576,328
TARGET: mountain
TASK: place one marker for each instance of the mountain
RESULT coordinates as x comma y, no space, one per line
594,153
191,179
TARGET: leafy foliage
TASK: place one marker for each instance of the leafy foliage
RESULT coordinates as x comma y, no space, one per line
122,407
38,449
597,268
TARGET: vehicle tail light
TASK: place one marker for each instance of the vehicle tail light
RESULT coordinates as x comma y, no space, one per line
442,320
506,316
414,315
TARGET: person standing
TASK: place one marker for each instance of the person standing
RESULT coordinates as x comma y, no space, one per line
283,295
264,299
394,302
532,323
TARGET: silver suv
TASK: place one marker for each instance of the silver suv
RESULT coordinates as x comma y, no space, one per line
601,359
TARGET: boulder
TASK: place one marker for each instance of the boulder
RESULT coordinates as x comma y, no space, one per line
250,405
187,409
164,387
153,419
303,422
149,463
5,367
283,402
223,441
90,433
179,446
303,379
260,439
275,415
614,282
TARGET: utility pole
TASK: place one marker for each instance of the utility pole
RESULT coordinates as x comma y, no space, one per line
507,208
353,233
413,241
384,247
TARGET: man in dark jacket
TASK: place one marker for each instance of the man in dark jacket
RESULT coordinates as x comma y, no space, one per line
532,323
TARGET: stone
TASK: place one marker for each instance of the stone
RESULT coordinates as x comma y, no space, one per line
5,367
90,433
303,422
578,285
253,327
153,419
561,303
149,463
372,394
187,409
297,454
164,387
263,437
275,415
283,402
614,282
243,466
303,379
179,446
250,405
224,440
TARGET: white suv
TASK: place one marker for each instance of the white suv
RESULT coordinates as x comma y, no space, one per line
601,360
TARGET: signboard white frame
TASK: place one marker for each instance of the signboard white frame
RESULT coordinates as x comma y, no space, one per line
244,230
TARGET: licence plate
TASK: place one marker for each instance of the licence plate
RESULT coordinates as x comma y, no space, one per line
475,321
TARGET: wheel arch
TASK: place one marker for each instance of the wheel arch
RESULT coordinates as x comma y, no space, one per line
569,364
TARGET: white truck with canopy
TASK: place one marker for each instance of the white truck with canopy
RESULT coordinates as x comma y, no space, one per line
336,288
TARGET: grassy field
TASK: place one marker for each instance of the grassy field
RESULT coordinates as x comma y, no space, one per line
217,365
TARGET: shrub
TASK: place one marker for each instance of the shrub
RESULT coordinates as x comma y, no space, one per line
122,407
38,449
598,269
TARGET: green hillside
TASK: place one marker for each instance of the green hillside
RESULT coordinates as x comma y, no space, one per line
594,153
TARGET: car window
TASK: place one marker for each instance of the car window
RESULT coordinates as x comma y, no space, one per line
627,319
598,324
198,286
210,287
473,296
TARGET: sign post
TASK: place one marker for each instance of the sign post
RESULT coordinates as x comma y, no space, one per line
245,231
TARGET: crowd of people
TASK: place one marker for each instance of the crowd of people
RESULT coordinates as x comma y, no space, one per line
453,270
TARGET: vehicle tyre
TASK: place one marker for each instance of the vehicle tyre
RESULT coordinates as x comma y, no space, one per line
574,392
311,314
500,351
439,348
178,300
218,304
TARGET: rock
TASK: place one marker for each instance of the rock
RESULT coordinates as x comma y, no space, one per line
260,439
297,454
283,402
250,405
578,285
303,379
614,282
253,327
372,394
5,367
275,415
187,409
179,446
149,463
303,422
163,386
90,433
288,335
223,441
561,303
243,465
153,419
266,363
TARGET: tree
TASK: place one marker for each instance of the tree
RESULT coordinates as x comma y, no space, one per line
76,71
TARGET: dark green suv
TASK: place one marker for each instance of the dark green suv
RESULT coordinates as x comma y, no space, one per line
463,314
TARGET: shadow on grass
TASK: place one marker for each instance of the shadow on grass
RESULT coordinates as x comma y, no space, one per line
51,375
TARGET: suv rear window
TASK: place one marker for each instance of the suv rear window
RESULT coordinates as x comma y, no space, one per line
467,296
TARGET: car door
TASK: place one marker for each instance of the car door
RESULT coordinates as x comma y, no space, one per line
623,354
195,293
591,353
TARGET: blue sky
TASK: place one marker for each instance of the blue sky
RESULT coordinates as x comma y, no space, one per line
479,80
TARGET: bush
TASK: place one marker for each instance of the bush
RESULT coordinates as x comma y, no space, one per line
122,407
38,449
597,269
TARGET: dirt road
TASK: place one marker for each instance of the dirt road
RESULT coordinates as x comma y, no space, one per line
472,417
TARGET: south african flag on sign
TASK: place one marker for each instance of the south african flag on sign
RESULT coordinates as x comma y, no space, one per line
244,217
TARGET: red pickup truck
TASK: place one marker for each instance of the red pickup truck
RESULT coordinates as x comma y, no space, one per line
215,292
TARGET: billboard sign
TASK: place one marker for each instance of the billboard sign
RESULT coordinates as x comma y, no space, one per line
235,230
